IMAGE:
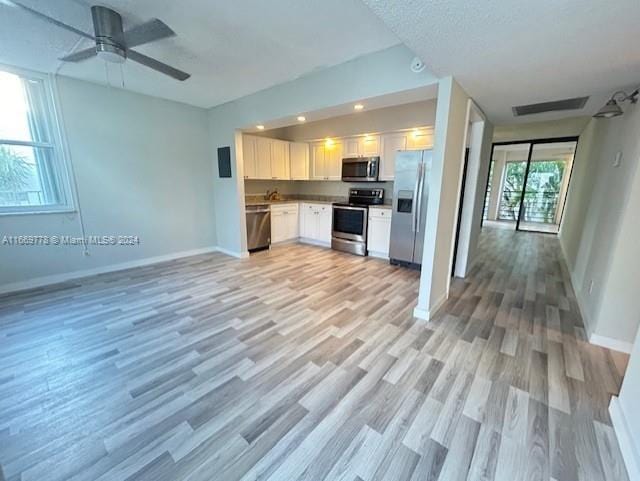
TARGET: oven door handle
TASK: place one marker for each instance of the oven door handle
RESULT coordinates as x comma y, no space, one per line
347,207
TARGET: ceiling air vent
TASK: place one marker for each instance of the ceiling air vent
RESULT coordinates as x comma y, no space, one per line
566,104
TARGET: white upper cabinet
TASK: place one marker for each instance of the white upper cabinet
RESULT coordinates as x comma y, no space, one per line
299,159
249,157
363,146
326,160
391,144
317,161
279,159
420,139
370,146
352,147
263,156
266,158
333,160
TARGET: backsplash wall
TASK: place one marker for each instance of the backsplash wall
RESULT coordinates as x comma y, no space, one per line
256,187
314,187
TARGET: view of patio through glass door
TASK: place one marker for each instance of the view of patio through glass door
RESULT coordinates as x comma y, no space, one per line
528,183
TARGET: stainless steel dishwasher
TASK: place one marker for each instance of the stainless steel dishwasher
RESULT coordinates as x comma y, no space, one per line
258,227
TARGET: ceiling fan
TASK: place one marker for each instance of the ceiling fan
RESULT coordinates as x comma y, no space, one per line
113,44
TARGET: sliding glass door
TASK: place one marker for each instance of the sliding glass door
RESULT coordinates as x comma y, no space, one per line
545,186
528,183
511,195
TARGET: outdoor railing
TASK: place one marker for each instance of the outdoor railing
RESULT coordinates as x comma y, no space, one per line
538,206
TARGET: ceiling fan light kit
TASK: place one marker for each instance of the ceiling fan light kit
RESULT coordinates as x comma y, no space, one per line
112,43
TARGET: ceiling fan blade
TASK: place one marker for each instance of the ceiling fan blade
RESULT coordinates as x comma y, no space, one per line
156,65
147,32
80,55
47,18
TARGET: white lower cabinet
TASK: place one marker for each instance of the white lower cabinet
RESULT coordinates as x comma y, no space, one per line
379,232
315,222
284,222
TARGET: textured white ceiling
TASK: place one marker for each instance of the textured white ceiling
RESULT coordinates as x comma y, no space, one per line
231,47
513,52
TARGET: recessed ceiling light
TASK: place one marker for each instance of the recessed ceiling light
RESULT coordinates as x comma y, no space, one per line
301,118
260,127
358,107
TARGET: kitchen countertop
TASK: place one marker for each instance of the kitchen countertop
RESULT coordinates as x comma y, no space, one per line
288,201
305,201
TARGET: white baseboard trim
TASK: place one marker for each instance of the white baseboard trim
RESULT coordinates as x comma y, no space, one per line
378,255
597,339
610,343
427,314
421,313
438,304
239,255
67,276
314,242
625,439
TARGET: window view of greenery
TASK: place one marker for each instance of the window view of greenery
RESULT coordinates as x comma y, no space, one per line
16,174
26,151
541,194
487,197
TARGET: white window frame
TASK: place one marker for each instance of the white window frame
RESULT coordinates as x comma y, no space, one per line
62,168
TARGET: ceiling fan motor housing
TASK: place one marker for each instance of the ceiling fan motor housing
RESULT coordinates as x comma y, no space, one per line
107,25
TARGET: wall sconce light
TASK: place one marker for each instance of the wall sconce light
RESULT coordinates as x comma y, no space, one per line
612,108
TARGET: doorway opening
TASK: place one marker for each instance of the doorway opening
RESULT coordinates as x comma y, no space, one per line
528,184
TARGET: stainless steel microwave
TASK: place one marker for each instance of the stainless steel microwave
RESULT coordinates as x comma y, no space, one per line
360,169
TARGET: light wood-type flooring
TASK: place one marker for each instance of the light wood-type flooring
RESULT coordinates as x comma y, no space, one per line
303,363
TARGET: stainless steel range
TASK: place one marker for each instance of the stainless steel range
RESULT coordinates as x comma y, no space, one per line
349,226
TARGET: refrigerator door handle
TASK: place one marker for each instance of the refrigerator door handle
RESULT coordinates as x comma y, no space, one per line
414,207
419,199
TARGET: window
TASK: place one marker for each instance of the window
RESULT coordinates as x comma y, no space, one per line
33,177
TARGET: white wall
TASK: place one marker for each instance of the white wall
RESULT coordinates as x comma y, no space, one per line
480,135
444,184
143,167
388,119
570,127
372,75
600,231
260,187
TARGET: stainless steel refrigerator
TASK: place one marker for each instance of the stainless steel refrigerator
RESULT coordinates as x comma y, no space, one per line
410,199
